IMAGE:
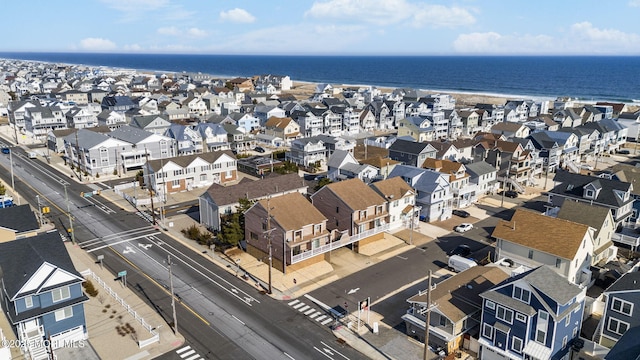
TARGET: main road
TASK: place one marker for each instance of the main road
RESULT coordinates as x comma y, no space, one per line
220,315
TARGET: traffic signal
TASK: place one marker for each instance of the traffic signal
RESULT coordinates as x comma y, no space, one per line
45,209
82,194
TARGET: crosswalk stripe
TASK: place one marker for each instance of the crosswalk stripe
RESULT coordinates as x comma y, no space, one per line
321,317
326,321
293,302
304,308
309,311
194,357
316,314
190,352
297,306
183,349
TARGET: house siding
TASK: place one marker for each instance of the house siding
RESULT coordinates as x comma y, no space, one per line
633,320
53,327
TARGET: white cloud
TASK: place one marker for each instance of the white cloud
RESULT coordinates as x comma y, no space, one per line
195,32
634,3
170,30
582,39
97,44
237,15
386,12
133,47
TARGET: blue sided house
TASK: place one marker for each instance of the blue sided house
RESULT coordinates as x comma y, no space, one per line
534,315
42,293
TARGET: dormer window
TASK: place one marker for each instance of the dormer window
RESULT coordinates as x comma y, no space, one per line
589,193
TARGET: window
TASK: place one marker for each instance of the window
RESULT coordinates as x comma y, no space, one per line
616,326
516,344
28,302
567,321
521,294
543,316
530,256
504,314
60,294
589,193
175,183
540,336
64,313
621,306
487,331
558,262
491,305
521,317
564,342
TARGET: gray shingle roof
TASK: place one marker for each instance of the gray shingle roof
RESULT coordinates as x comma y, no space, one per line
628,281
572,185
18,218
130,134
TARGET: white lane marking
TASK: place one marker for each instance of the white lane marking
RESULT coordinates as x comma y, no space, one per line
322,352
304,308
194,357
289,356
315,315
116,243
183,349
297,306
293,302
321,317
336,351
188,353
240,321
309,311
326,321
128,250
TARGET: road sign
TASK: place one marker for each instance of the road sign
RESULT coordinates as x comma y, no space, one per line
122,273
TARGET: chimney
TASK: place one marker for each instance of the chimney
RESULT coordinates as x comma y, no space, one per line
513,227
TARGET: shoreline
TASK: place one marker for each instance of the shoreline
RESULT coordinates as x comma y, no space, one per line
465,96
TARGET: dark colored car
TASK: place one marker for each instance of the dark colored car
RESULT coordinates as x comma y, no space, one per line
624,152
511,194
460,213
461,250
6,150
258,149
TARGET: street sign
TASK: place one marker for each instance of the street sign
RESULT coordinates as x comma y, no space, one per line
122,273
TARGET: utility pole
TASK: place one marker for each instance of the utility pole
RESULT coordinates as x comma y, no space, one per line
78,157
268,234
428,319
153,212
73,236
173,297
39,209
13,186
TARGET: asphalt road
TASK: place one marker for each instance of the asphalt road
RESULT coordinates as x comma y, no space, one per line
220,315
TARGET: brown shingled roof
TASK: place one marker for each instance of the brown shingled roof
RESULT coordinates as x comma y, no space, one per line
356,194
544,233
293,211
185,160
392,188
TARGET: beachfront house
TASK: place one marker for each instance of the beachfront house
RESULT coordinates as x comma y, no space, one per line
433,191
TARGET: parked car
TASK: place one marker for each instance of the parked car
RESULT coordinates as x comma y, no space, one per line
461,213
586,167
624,152
511,194
459,263
258,149
461,250
464,227
6,150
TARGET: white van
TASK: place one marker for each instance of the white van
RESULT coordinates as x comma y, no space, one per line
32,155
458,263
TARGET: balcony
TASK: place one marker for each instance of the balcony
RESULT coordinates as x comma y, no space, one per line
344,240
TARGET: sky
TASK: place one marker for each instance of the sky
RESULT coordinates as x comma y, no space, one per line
324,27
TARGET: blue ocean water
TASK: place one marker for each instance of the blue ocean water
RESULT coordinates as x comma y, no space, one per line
610,78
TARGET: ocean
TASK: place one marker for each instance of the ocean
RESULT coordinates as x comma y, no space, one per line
587,78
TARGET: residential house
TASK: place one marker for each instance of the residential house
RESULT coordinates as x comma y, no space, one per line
621,308
17,222
446,150
464,192
384,165
289,229
418,128
80,118
484,176
307,152
612,194
143,146
214,137
16,110
401,199
627,347
117,103
600,219
411,152
39,120
511,129
42,294
266,112
167,176
94,153
548,150
242,84
111,119
531,239
284,128
613,134
219,200
354,209
534,315
342,165
76,97
188,140
470,121
510,158
157,124
433,191
456,307
238,139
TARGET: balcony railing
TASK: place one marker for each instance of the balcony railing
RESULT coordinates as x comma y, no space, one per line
343,241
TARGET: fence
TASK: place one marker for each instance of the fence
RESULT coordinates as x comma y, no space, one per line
107,288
